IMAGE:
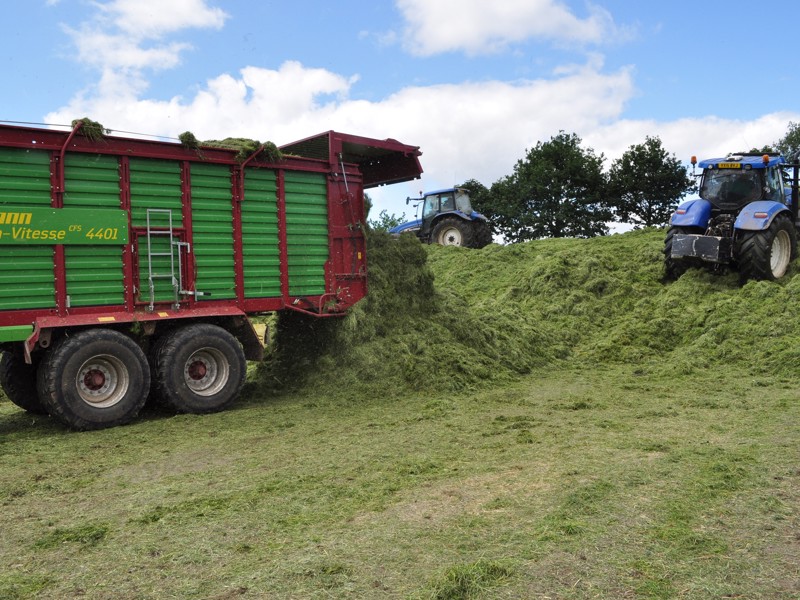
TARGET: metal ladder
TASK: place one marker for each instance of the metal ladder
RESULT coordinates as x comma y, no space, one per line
151,276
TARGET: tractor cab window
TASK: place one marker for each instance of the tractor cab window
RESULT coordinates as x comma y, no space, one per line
431,205
774,185
731,188
448,202
462,202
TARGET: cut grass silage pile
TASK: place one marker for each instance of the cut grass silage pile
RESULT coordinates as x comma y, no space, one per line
451,319
406,335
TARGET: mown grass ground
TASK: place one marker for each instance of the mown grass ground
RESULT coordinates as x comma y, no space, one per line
569,484
542,421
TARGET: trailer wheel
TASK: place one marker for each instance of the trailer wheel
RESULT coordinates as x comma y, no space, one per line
766,254
18,380
452,231
675,268
94,379
198,368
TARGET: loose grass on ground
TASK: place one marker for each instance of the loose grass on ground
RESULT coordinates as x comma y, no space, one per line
571,484
546,420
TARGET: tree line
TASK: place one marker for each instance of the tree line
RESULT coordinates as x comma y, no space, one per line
560,189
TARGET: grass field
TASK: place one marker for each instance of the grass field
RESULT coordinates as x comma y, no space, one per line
516,425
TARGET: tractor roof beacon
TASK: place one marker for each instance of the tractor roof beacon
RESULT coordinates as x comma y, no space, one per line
448,219
746,218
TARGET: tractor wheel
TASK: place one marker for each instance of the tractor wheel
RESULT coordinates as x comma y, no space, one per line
766,254
452,231
675,268
482,234
198,368
18,380
94,379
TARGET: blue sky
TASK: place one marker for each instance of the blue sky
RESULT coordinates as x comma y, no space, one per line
473,83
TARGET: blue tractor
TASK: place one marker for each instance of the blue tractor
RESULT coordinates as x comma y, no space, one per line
448,220
746,218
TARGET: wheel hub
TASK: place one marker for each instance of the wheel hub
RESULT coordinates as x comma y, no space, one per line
197,370
94,380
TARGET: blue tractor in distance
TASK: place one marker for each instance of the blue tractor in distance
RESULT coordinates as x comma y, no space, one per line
746,218
448,220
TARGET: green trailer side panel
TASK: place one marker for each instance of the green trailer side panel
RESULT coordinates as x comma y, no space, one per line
24,177
94,273
306,232
155,184
26,277
92,181
26,273
262,267
212,231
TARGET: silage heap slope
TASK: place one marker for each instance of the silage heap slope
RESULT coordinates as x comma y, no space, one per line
450,319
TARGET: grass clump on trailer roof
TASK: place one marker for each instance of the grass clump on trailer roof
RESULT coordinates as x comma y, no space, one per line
90,129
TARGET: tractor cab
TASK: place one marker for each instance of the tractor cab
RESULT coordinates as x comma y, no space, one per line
735,181
444,201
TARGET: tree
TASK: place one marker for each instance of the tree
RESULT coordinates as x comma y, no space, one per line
386,221
557,190
789,144
644,185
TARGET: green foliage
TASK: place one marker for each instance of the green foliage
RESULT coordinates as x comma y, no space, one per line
646,183
789,144
386,221
557,190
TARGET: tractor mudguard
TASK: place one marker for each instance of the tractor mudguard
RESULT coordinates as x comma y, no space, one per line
758,216
693,213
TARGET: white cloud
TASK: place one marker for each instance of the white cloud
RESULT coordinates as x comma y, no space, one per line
154,18
126,34
482,27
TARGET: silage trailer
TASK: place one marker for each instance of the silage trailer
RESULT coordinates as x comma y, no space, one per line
130,266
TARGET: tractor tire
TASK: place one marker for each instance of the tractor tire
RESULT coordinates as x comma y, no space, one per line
94,379
673,269
766,254
452,231
482,234
18,380
198,369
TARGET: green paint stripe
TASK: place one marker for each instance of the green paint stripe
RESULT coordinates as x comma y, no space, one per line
15,333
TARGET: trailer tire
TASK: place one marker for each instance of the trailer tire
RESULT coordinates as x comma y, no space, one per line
673,269
452,231
93,379
198,369
766,254
18,380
